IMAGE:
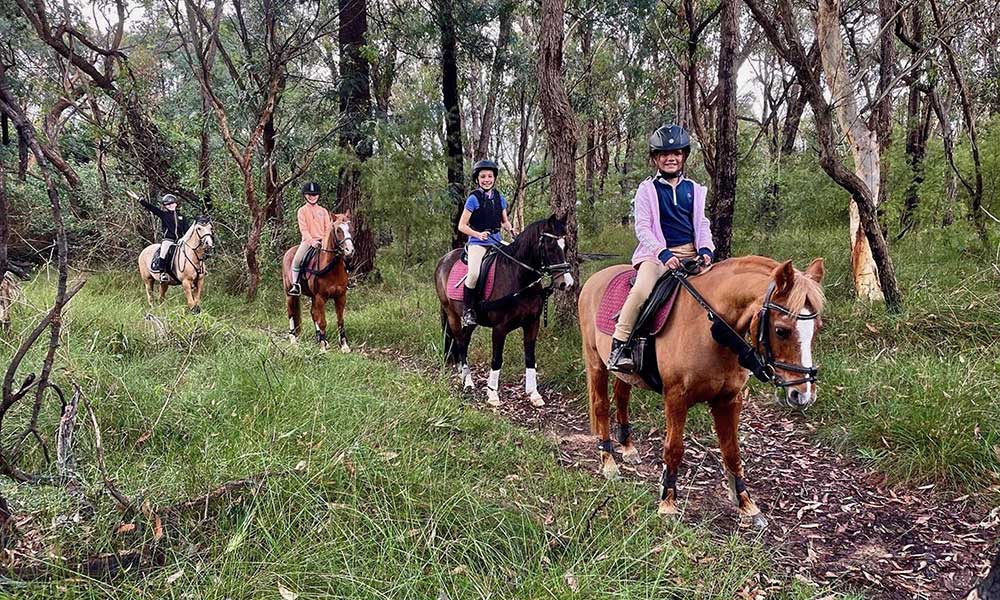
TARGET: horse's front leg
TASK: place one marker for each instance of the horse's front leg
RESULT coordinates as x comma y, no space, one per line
163,292
493,383
530,374
726,415
189,295
675,411
339,303
600,415
318,312
148,281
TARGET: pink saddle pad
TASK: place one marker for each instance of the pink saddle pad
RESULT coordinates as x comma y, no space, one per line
455,282
614,299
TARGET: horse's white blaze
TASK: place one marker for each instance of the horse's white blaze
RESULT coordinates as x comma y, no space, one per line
568,280
806,328
561,242
348,240
530,381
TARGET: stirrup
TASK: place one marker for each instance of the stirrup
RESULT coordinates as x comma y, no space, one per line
468,318
294,290
620,358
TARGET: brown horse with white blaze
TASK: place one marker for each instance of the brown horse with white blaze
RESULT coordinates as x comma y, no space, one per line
775,304
325,279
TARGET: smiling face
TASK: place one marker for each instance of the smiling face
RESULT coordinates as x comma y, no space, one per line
486,179
669,161
312,198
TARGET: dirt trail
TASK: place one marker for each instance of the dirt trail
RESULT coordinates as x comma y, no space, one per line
832,520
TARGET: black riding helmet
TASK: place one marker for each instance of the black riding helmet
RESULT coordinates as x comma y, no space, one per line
168,199
310,188
670,137
484,165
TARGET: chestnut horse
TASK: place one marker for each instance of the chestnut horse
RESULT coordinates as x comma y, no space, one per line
516,301
743,293
188,264
321,280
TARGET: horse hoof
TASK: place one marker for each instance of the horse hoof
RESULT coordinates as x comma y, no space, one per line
195,310
757,521
492,398
468,384
667,509
345,348
323,347
610,469
536,400
630,454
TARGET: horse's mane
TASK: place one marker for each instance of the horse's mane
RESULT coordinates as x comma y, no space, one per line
184,238
522,245
805,290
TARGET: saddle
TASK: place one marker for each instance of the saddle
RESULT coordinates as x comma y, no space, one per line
167,263
652,317
487,273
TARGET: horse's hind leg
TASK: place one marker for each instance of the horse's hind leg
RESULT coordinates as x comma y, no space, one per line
148,282
163,292
623,394
600,408
726,415
675,411
293,308
530,374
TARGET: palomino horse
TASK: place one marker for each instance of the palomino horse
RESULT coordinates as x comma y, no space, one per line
747,294
321,280
516,301
188,264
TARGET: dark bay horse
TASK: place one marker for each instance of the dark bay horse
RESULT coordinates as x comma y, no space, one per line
772,302
324,279
516,301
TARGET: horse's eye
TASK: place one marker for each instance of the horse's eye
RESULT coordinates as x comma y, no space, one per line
783,332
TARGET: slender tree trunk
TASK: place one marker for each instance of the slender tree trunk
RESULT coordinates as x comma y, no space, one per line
561,131
863,142
521,162
453,116
726,149
918,118
256,230
272,196
355,104
496,80
590,160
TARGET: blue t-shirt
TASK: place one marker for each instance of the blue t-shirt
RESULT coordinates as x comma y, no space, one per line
471,204
676,208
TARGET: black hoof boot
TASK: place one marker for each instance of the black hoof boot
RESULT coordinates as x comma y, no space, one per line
620,359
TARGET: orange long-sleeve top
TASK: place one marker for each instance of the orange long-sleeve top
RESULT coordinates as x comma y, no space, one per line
314,222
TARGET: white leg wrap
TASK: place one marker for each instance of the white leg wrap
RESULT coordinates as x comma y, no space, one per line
530,381
493,388
466,373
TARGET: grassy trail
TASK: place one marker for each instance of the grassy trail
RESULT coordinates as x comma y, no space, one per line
397,488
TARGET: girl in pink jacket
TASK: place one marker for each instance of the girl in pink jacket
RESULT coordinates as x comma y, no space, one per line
671,226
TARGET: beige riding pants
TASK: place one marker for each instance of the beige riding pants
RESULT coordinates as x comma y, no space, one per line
649,272
300,255
475,256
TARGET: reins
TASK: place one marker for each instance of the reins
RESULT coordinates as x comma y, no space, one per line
551,271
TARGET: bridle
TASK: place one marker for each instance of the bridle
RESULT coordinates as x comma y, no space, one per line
759,357
764,342
338,244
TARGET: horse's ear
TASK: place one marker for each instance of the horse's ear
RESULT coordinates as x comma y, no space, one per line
816,270
784,278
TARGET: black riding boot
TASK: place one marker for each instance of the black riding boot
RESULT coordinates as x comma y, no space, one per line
470,300
620,358
157,265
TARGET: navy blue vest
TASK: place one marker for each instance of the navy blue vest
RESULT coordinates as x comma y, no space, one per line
489,214
676,211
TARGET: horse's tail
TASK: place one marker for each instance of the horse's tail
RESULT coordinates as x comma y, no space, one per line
450,355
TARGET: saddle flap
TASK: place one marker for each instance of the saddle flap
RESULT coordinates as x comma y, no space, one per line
456,278
654,312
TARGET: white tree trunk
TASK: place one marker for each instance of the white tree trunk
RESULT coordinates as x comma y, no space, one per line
863,141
